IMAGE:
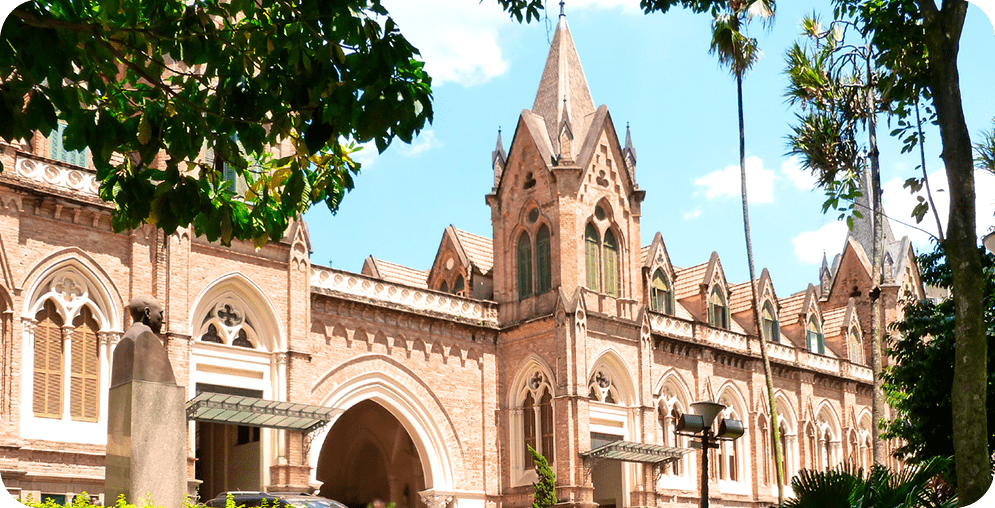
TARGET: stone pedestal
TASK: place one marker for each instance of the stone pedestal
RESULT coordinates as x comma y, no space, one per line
146,444
288,478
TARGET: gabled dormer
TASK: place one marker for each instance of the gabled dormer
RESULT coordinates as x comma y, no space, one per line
741,307
704,291
463,265
658,278
800,320
566,176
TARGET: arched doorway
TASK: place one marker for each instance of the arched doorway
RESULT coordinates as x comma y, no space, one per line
368,455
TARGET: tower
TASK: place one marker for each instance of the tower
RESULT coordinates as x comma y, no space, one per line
565,206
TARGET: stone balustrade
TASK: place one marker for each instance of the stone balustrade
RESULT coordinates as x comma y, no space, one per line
669,325
725,338
777,351
53,174
396,295
608,305
819,362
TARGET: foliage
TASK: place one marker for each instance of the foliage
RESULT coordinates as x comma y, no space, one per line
545,488
848,487
730,44
984,150
82,500
830,80
919,383
150,86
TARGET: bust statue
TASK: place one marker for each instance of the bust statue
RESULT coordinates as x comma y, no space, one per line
140,354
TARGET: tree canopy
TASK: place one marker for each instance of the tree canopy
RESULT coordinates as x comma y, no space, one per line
150,87
919,383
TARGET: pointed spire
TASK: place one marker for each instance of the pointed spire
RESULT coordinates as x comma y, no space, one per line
563,86
629,150
498,159
863,227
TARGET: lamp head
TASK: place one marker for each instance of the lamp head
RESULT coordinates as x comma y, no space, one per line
690,423
730,429
708,411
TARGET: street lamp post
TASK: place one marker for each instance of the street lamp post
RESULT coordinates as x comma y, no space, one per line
698,425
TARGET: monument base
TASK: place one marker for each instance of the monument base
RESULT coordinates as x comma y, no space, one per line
146,444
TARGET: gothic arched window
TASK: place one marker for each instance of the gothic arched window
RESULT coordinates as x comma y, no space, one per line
524,266
611,264
661,297
544,272
593,259
537,429
718,313
772,330
854,346
444,287
459,286
814,340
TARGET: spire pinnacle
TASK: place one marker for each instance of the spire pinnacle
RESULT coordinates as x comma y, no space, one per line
563,86
561,8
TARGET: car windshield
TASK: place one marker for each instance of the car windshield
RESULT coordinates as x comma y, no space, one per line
309,503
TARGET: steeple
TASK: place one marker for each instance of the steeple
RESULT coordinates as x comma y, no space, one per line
863,227
498,159
629,153
563,87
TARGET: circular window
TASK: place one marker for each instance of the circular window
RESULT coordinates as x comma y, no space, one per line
599,213
533,215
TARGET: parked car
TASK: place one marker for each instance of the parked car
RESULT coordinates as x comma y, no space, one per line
251,499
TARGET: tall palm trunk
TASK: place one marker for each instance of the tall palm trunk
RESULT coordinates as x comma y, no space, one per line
775,442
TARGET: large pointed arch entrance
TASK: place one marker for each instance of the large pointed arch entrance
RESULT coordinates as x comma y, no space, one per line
393,434
368,455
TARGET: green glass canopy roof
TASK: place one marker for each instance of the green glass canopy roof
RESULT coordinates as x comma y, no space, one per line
255,412
628,451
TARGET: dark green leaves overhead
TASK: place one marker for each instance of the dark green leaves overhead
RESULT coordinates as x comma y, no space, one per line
150,86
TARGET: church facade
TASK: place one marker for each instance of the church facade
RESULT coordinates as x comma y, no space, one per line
560,332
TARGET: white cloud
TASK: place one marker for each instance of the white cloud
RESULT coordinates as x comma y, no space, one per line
693,213
367,154
802,178
725,183
810,246
624,6
458,39
425,141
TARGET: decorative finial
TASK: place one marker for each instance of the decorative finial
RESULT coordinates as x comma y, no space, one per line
561,8
499,130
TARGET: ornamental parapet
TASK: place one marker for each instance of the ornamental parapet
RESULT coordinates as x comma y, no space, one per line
64,177
779,352
397,296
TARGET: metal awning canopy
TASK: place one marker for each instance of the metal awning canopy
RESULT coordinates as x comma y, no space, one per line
628,451
238,410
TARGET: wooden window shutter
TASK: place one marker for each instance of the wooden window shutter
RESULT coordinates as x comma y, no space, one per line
546,420
611,264
670,303
808,340
84,386
529,429
524,266
711,314
544,272
48,359
592,254
658,291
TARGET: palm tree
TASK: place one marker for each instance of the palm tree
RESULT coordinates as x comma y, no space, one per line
739,52
838,84
847,487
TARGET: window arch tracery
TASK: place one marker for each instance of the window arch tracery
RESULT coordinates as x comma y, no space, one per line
601,388
537,422
228,324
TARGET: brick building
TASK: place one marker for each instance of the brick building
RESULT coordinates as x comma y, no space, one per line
561,332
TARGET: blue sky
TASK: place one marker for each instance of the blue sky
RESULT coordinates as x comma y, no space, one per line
654,72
